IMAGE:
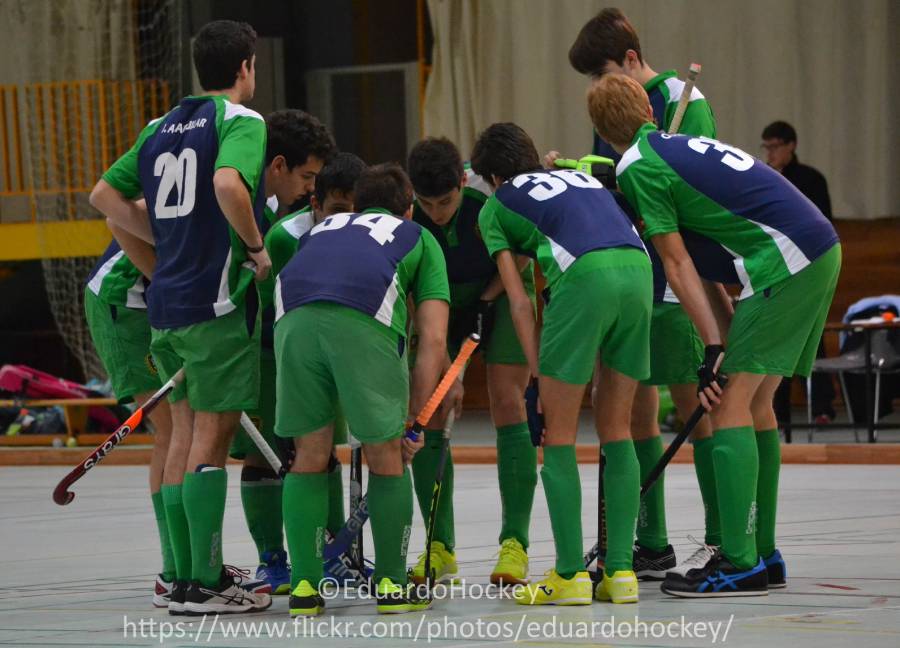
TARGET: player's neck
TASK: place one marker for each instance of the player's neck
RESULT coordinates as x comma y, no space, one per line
644,74
232,94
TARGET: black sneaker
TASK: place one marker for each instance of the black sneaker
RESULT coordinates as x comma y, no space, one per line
718,578
176,598
227,597
652,565
393,598
305,600
776,570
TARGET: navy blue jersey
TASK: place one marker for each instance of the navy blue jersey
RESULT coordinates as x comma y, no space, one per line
116,281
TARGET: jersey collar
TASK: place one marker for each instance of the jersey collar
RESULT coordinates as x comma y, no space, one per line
377,210
659,79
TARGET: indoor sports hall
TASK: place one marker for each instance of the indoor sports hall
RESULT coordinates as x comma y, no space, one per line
449,322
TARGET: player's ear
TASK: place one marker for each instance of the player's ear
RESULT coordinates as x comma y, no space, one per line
407,215
464,180
496,181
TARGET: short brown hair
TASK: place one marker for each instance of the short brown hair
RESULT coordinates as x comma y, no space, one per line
504,150
618,106
605,37
385,186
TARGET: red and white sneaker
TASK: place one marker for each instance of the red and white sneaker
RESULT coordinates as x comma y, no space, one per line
162,593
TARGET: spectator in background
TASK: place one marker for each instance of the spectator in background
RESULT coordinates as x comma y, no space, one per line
779,139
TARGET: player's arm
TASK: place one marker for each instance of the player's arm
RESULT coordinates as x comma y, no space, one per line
722,308
495,287
520,307
138,251
128,215
234,201
431,328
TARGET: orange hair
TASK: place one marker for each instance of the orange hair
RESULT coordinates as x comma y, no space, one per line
618,106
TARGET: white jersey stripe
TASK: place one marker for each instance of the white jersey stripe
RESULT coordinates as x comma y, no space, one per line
561,255
223,304
237,110
385,312
630,156
97,282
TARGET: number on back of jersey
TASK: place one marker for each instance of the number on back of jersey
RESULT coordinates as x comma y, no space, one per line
178,173
381,226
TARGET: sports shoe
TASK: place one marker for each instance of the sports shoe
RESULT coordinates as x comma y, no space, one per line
652,565
226,597
176,598
621,587
244,580
393,598
697,560
162,592
719,578
776,570
556,590
512,564
274,570
443,565
305,600
344,572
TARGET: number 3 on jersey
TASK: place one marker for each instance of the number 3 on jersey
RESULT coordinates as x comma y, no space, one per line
734,157
179,173
381,226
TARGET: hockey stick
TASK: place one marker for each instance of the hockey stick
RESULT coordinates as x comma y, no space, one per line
261,445
344,538
61,494
685,98
356,547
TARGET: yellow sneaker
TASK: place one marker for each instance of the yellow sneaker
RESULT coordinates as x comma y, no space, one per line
443,565
512,565
555,590
306,600
621,587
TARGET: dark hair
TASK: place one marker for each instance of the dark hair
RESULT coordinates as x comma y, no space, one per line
504,150
219,49
339,175
780,130
605,37
296,135
384,185
435,167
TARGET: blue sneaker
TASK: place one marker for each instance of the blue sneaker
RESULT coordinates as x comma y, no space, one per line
718,578
274,570
346,573
776,569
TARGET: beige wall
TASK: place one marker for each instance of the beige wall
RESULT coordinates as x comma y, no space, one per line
830,67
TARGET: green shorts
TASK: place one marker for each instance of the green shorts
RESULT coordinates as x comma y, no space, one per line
122,338
325,349
676,350
776,332
603,305
220,359
263,416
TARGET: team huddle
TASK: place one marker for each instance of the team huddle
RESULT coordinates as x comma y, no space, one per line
339,320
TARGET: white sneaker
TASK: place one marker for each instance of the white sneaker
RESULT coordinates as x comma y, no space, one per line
227,597
244,580
162,593
697,560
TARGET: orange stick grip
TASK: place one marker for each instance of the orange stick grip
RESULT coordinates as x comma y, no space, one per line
468,348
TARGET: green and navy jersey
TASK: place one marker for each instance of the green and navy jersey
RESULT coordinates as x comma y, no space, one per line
368,262
116,281
283,239
555,217
202,269
679,183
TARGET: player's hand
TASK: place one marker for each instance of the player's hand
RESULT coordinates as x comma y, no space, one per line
708,388
550,159
408,447
262,263
453,400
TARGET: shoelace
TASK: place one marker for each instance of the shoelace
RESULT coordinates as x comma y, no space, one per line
701,555
237,574
508,547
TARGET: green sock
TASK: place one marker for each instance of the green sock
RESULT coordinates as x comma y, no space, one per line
168,558
204,505
261,499
768,446
622,489
390,509
651,523
562,486
706,477
305,514
179,534
336,516
517,474
737,464
424,469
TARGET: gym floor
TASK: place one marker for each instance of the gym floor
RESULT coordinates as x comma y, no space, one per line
83,575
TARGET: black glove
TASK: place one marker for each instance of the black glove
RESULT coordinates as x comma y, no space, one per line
484,321
535,418
707,373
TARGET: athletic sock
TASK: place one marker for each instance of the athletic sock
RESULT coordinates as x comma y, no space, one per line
165,544
769,448
261,491
651,522
179,534
706,477
517,474
204,505
424,469
622,490
562,486
390,509
737,465
305,514
336,515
